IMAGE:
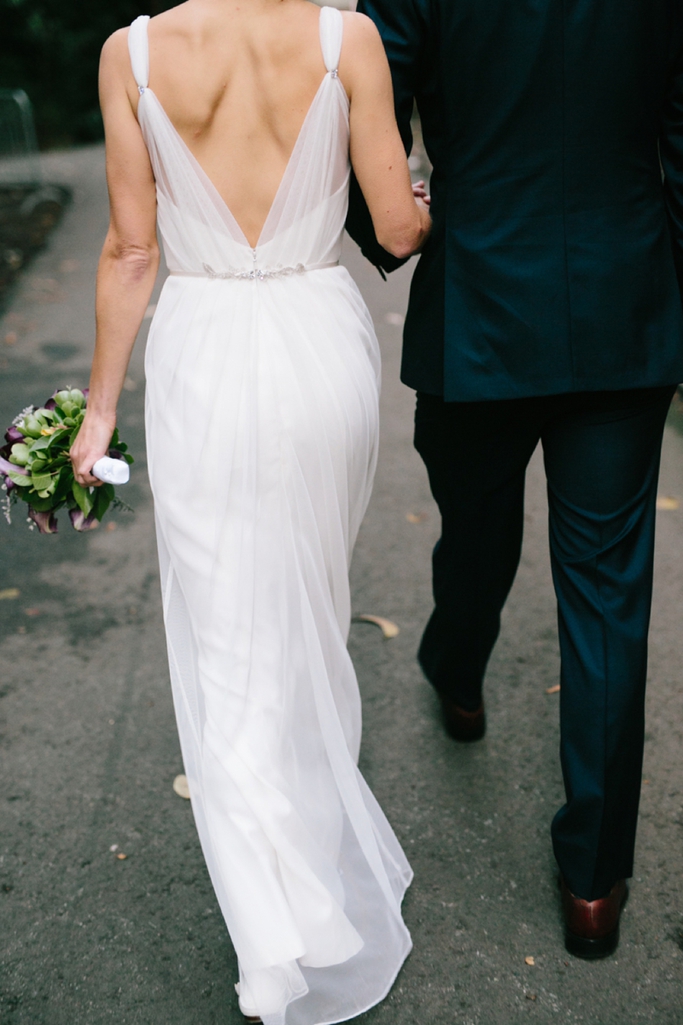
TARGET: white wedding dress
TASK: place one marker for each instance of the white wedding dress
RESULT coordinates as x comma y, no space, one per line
262,426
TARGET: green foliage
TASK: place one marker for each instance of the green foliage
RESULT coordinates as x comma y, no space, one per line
51,49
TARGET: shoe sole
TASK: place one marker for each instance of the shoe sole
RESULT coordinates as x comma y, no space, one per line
591,950
466,738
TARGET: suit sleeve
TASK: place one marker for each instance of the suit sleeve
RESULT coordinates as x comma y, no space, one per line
402,26
671,151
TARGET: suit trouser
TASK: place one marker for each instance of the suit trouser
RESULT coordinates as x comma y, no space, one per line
601,452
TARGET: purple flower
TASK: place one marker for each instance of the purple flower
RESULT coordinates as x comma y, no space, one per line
45,521
50,404
7,467
81,522
13,434
9,485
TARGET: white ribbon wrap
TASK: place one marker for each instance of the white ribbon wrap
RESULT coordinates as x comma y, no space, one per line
111,471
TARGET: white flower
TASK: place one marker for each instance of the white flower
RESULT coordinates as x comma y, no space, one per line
25,412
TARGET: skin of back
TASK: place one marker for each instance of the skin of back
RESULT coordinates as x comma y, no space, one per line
236,78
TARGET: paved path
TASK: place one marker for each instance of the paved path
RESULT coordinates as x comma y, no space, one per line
89,749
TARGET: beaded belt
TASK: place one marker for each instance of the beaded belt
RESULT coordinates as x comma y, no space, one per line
255,274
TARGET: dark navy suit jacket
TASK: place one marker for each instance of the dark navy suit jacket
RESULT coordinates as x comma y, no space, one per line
553,262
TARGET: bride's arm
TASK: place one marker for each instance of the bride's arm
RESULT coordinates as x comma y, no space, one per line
129,260
401,222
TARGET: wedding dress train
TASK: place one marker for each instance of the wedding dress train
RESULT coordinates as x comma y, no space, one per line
262,423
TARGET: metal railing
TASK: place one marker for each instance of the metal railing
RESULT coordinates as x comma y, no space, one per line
19,160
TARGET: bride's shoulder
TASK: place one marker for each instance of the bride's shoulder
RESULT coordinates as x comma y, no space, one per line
358,27
362,49
361,38
116,44
114,59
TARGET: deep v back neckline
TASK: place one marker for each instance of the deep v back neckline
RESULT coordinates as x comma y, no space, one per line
209,184
138,43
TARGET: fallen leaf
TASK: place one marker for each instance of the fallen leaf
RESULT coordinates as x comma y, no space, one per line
11,338
666,503
529,961
395,319
9,592
32,612
416,517
646,781
388,628
553,690
530,996
110,526
182,787
114,847
121,856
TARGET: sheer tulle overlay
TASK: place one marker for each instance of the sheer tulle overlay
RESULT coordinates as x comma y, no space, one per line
262,426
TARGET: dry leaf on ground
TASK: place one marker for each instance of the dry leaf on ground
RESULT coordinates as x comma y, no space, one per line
388,628
9,592
666,503
529,961
121,856
553,690
416,517
181,786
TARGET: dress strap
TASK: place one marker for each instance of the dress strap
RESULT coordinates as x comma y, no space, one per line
331,34
138,48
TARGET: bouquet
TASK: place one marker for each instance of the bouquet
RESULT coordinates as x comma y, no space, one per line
36,467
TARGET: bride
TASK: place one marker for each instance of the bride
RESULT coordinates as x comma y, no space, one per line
230,125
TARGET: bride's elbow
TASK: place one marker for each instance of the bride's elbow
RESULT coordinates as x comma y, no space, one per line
400,248
405,242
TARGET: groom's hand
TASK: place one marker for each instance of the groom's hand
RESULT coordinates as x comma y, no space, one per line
421,195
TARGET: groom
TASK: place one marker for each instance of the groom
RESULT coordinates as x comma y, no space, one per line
546,307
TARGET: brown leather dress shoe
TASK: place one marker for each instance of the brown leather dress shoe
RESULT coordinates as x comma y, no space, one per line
592,926
460,724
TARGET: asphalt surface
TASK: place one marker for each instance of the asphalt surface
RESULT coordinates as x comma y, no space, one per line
89,749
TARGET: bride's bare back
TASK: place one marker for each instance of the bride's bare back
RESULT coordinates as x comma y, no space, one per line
236,79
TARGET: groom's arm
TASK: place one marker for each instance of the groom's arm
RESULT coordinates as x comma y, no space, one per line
402,25
671,151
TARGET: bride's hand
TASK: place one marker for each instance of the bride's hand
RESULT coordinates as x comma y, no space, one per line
92,442
420,193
